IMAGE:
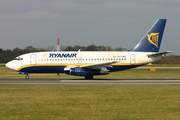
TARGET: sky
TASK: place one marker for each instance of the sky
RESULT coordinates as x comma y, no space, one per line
114,23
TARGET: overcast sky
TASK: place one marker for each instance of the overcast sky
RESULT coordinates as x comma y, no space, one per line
115,23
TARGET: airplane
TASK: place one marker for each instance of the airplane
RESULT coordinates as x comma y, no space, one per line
89,64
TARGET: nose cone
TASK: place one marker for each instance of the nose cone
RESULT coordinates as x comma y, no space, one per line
10,65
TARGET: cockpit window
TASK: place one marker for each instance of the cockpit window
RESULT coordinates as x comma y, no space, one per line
18,58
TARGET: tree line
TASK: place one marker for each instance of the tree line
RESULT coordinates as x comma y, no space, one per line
7,55
169,59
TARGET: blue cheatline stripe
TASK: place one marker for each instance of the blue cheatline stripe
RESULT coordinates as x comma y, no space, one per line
60,69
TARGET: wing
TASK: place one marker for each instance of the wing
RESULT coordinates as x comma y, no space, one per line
92,66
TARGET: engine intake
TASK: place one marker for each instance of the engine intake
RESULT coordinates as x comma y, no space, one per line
81,72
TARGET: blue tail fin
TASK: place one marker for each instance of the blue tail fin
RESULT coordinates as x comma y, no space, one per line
152,40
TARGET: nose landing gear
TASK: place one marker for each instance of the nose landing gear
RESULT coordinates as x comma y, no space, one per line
24,73
27,77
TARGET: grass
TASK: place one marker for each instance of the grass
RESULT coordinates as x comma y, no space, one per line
90,102
162,65
2,64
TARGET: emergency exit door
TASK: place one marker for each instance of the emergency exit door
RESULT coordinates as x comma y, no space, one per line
132,59
33,59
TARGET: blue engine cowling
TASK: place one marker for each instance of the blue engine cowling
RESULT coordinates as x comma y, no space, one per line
81,72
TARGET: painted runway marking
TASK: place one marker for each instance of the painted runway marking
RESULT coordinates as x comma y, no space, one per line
158,81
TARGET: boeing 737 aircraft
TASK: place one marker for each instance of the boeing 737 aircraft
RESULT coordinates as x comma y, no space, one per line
88,64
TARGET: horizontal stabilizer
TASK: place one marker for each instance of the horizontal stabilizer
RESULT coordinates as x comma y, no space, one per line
159,54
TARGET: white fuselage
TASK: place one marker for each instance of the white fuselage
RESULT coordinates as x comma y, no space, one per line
56,62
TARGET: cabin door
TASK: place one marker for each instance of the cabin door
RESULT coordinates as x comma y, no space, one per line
33,59
132,59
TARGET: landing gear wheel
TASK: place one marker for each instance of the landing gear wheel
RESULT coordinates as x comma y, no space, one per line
27,77
89,77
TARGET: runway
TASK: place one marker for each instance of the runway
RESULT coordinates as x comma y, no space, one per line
120,81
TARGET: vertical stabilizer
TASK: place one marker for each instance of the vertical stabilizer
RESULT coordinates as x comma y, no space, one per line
152,40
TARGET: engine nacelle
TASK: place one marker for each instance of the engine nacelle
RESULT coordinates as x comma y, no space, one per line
80,72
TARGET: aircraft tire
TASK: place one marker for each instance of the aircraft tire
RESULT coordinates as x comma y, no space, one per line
89,77
27,77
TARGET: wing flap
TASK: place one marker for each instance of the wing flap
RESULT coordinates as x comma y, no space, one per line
97,66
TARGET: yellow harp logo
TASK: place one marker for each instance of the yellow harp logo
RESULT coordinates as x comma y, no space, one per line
45,55
153,38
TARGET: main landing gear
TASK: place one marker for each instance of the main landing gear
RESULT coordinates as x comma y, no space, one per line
89,77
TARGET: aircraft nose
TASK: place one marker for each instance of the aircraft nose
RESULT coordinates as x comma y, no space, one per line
9,65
